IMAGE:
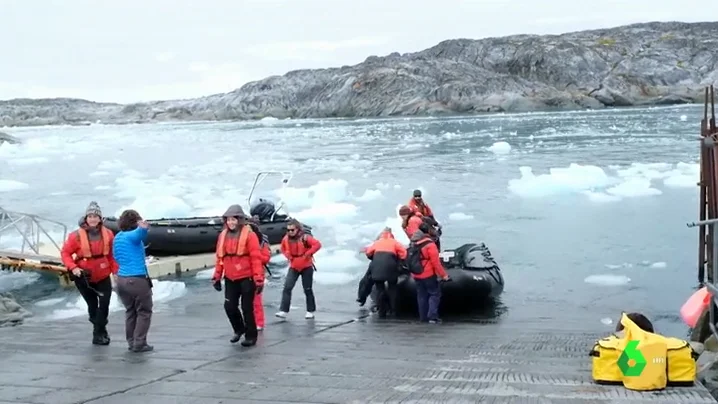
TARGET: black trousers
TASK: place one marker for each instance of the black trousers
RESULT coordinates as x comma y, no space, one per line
365,286
236,293
98,307
290,281
387,296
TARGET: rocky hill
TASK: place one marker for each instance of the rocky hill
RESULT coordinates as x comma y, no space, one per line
640,64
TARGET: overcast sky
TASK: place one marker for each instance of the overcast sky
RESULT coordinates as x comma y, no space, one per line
133,50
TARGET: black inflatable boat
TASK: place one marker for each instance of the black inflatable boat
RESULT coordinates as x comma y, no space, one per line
475,280
198,235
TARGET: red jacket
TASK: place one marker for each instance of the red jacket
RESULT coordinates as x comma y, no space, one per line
266,253
92,255
239,256
386,243
300,251
422,208
413,225
430,261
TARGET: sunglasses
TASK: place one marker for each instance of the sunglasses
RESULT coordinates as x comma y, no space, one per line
291,230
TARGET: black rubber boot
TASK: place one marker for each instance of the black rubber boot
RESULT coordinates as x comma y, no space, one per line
249,342
99,335
99,339
105,335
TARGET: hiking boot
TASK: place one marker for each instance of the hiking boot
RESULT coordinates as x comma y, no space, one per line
249,342
143,348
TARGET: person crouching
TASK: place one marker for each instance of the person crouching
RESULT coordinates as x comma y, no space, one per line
87,254
266,257
386,254
239,262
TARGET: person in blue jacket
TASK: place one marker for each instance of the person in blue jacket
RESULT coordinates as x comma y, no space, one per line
134,286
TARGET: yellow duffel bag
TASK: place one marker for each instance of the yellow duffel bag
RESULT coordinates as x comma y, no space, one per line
650,361
681,359
604,360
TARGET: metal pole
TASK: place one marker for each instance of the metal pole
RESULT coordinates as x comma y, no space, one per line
702,223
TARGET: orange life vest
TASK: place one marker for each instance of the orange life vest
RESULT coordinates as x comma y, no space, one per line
241,242
86,251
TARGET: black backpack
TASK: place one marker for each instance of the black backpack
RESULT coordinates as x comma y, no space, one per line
413,257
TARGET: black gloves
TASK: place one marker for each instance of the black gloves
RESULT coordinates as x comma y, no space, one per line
217,285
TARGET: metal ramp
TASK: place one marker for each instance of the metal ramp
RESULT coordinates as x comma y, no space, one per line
35,249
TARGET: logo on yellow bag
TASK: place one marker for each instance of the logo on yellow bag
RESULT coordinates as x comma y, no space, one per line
632,362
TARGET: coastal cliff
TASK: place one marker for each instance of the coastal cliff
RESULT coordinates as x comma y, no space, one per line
639,64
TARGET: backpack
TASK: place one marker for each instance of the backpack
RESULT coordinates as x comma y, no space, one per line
413,257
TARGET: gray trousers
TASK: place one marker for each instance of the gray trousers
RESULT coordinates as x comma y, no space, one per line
136,295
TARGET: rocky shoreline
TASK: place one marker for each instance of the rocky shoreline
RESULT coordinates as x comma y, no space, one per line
640,64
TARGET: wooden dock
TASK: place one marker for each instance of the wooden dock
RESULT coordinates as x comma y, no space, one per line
48,261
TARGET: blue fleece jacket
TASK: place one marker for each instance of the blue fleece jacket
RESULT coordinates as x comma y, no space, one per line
129,251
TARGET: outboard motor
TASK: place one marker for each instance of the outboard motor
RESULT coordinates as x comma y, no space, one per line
478,257
264,209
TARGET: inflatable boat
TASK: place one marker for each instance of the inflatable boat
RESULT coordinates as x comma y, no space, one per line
475,280
198,235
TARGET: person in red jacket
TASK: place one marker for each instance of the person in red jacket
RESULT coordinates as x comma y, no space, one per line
410,220
428,289
299,248
87,254
417,204
239,261
386,255
266,256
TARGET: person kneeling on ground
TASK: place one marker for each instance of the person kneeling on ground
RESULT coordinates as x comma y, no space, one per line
266,257
299,248
386,255
239,262
428,289
87,254
134,286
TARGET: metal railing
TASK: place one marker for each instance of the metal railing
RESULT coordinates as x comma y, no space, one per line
708,208
31,228
711,283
